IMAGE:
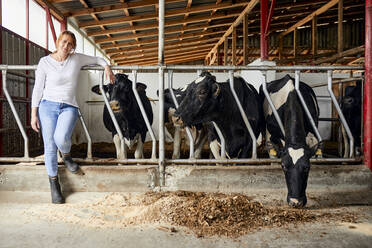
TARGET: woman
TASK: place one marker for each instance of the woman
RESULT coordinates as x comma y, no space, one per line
54,106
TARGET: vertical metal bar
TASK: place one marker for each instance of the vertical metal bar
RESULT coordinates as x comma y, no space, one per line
268,98
117,127
188,132
144,115
340,114
161,92
244,116
89,150
222,139
161,127
312,122
339,135
368,86
15,114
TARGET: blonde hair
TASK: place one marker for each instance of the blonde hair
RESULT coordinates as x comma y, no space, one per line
72,36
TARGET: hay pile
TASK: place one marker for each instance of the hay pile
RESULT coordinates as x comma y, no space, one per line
233,215
205,214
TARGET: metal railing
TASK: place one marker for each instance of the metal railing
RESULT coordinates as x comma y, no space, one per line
161,160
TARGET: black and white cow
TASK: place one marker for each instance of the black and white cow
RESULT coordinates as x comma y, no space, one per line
207,100
127,113
198,132
351,106
299,143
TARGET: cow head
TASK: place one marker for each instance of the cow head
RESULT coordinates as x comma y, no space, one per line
296,168
120,94
200,102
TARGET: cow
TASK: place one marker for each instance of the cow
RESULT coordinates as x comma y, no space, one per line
298,144
351,106
127,113
207,100
198,132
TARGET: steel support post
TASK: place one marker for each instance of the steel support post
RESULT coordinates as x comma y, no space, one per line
368,86
161,92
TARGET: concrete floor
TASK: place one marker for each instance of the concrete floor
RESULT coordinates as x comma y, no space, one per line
21,228
24,191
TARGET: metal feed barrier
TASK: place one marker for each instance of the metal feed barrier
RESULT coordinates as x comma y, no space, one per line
160,160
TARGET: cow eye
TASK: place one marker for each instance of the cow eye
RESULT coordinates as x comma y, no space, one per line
202,92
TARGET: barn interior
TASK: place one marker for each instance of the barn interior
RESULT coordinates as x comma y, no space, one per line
326,39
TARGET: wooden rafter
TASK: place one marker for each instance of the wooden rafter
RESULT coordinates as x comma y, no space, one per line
247,9
154,33
319,11
170,13
142,50
171,38
167,45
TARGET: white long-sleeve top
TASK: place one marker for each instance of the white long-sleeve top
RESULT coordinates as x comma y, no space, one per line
56,81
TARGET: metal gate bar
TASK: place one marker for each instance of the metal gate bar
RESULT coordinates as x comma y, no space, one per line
188,132
144,115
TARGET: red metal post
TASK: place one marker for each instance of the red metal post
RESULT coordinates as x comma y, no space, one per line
1,78
64,25
368,87
49,18
263,40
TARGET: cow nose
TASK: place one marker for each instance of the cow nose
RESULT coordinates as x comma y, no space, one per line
115,106
177,121
295,203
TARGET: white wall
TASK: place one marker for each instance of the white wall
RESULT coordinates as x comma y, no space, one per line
91,105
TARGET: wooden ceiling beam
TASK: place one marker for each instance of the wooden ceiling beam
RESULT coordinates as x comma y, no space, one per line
308,18
166,52
155,33
115,7
168,58
56,13
151,41
247,9
169,13
168,45
167,24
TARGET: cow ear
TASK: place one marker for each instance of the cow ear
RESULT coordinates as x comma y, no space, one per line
216,90
141,87
96,89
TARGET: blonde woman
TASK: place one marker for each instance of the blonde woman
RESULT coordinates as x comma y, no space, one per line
54,106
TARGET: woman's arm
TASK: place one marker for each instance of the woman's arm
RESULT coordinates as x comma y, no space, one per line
90,60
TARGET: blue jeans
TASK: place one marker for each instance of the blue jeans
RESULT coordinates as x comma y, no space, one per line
57,122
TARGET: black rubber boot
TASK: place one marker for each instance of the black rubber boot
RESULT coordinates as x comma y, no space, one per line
55,190
70,164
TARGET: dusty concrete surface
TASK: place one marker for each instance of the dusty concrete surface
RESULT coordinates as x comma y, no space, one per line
26,220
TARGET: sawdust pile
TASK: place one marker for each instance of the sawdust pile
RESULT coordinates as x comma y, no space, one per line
206,214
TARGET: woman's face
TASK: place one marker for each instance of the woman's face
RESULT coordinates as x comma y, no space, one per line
65,45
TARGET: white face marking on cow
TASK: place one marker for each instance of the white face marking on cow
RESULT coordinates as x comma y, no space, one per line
283,143
279,98
295,154
198,80
311,141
